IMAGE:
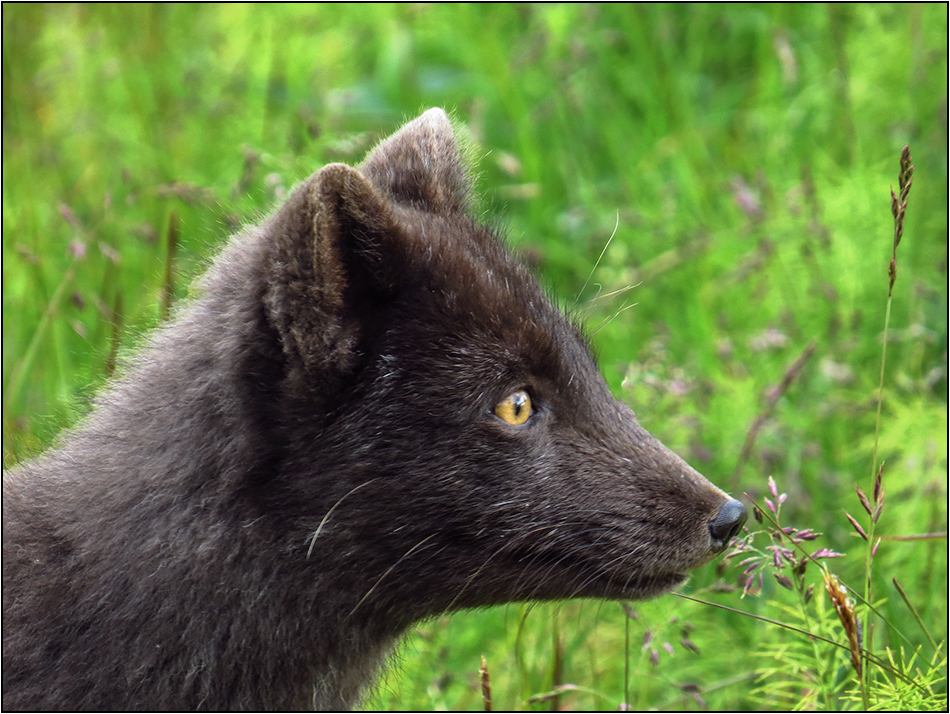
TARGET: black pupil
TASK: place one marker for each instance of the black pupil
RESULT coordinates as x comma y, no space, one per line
520,402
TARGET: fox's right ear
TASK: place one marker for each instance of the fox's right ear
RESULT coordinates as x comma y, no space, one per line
421,166
335,256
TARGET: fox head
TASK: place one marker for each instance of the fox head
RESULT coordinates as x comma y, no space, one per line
450,438
370,414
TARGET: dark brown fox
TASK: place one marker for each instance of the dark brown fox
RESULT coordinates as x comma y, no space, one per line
370,415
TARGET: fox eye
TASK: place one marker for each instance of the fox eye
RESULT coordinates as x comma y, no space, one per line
515,409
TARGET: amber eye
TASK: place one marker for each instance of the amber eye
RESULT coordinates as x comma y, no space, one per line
515,408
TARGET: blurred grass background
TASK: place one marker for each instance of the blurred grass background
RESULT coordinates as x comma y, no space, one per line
743,153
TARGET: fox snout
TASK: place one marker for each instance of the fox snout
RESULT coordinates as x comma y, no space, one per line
676,519
727,524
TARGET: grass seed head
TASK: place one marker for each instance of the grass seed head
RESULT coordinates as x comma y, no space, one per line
857,526
878,495
784,581
844,606
485,684
899,209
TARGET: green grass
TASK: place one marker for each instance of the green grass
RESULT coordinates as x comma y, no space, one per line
744,154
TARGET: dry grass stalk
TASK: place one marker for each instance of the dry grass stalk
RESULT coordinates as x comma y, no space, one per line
115,323
772,397
168,284
486,684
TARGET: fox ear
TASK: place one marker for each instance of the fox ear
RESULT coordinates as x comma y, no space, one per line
336,254
421,166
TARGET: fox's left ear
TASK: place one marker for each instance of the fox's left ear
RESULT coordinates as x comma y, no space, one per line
336,256
338,251
421,166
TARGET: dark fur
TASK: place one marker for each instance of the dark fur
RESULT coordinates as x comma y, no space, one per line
306,462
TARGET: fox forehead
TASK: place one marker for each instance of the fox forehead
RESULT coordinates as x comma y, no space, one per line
494,306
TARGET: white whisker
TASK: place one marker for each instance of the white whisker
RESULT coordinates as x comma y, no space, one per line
389,570
624,307
313,538
599,258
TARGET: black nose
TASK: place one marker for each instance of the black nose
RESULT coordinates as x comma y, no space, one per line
727,523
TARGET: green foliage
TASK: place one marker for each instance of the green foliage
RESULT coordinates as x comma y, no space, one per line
742,154
920,689
798,674
837,664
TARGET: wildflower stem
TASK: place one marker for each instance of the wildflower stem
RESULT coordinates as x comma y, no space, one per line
905,180
626,663
880,388
22,368
938,535
899,211
913,611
